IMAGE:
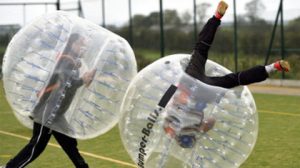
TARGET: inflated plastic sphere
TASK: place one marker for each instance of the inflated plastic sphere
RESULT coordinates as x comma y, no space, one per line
174,120
68,74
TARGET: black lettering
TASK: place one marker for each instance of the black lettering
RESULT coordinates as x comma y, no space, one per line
151,119
141,158
144,139
146,131
142,151
156,113
149,126
142,144
141,164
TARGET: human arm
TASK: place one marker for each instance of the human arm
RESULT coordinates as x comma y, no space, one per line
88,77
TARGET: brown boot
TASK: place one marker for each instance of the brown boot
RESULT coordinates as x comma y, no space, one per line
282,66
221,9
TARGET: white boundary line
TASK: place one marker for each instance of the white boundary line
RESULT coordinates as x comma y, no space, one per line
82,152
279,113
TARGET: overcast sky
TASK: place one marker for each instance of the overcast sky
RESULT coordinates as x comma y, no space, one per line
116,11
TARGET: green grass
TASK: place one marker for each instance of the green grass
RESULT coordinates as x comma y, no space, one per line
279,134
277,145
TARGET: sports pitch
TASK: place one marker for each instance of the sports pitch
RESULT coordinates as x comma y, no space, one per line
278,143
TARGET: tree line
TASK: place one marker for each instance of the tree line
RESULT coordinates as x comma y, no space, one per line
254,34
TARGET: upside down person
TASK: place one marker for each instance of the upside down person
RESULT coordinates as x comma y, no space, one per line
196,69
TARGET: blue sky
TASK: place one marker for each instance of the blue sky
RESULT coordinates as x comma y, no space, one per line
117,10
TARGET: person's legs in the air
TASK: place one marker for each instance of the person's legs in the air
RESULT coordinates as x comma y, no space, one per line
196,66
256,74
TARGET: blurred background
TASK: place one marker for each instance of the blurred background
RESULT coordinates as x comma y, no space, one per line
253,31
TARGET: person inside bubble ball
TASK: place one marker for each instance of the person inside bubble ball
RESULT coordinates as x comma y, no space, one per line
196,68
185,118
54,101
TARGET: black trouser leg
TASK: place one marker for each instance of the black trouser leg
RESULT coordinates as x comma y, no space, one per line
37,144
252,75
196,67
69,145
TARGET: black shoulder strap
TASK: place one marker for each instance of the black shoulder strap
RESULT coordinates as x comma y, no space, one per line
167,96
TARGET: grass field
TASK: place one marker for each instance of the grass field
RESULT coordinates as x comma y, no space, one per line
278,144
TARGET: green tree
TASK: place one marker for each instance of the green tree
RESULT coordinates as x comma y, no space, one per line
202,12
171,17
186,17
254,8
292,36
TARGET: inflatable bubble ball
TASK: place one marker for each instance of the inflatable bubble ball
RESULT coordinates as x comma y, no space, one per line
68,74
173,120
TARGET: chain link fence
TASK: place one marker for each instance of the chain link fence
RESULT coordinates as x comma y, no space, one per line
139,22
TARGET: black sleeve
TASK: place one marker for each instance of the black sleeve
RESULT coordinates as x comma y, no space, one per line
77,82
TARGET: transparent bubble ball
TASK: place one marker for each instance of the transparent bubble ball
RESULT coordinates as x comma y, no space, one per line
43,72
173,120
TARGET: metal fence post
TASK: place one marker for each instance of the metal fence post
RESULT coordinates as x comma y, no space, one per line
195,20
235,37
103,13
58,5
162,40
273,35
282,36
130,23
